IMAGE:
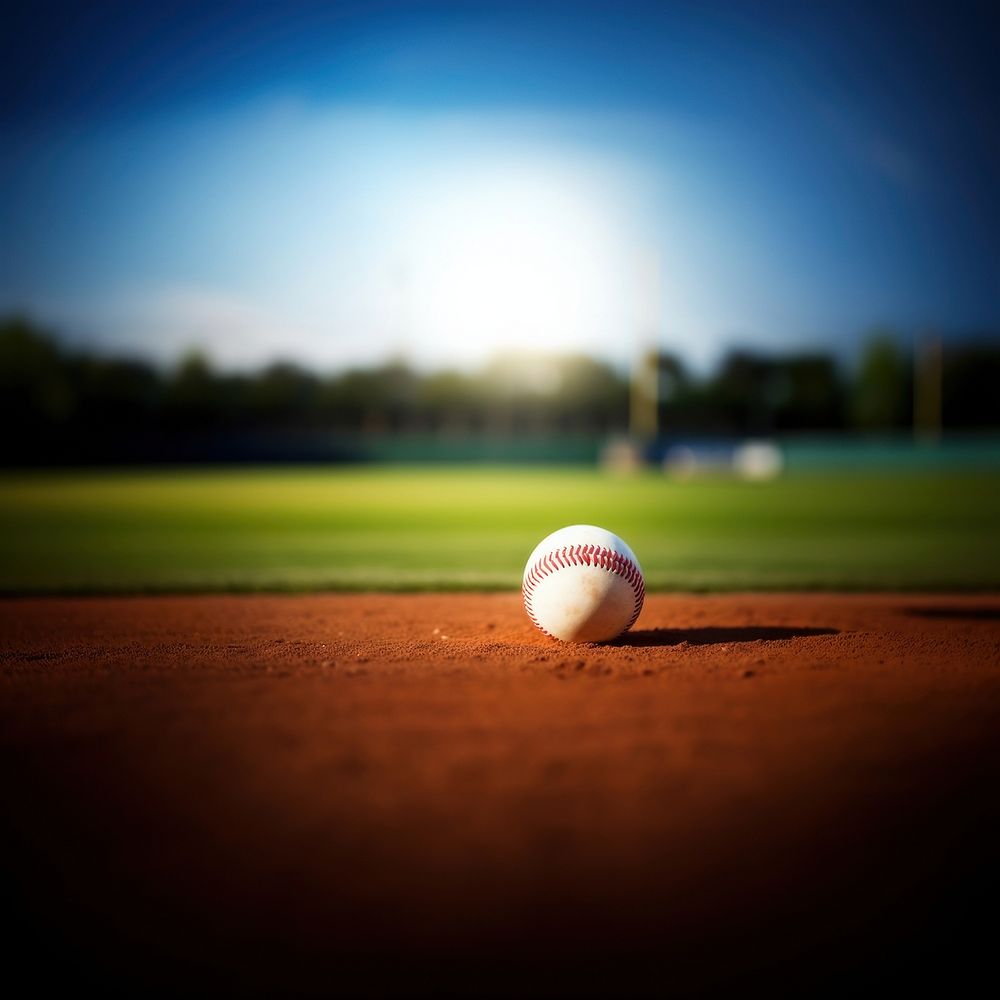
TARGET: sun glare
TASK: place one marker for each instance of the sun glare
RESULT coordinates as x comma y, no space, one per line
517,259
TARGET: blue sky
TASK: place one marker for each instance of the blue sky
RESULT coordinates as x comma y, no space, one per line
337,183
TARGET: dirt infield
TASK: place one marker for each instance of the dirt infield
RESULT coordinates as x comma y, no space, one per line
364,793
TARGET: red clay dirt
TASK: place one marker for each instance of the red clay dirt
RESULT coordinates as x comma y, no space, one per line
398,794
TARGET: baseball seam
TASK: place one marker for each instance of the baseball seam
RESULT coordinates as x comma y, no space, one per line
583,555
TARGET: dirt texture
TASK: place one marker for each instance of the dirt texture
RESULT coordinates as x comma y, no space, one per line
371,794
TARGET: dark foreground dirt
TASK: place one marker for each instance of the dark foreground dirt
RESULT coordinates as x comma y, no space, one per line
370,794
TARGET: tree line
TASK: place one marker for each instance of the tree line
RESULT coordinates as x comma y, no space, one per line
48,388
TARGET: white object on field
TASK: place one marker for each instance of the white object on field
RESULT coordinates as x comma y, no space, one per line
758,460
583,584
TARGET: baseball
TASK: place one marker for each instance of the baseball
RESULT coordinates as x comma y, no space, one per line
583,584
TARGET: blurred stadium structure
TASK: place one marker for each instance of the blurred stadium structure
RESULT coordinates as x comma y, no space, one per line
73,406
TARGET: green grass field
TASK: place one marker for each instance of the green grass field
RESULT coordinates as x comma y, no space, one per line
452,528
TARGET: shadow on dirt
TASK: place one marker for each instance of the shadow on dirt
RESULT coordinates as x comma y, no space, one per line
973,613
710,636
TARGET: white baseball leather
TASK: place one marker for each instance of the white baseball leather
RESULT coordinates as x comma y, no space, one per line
583,584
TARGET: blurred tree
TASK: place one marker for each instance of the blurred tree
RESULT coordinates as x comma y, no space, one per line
883,388
677,396
36,385
970,379
590,396
806,393
191,397
113,393
281,395
377,400
746,392
448,401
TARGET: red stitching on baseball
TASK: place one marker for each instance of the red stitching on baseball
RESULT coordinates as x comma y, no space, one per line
575,555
